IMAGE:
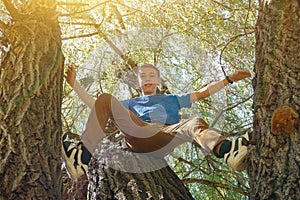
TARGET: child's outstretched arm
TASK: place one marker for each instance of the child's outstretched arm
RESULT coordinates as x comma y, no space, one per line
217,86
83,95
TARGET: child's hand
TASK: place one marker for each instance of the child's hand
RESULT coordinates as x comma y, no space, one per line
70,75
239,75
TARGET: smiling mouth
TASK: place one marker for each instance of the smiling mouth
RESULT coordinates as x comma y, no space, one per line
148,84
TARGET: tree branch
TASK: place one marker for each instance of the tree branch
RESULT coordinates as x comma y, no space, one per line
11,8
79,23
80,36
118,16
128,60
226,44
223,5
215,184
3,25
228,108
64,3
85,10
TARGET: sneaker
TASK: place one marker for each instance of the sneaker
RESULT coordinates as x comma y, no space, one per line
236,156
76,157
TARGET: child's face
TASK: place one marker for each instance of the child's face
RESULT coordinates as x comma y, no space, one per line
148,80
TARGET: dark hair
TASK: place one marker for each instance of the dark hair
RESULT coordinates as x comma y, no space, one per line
149,66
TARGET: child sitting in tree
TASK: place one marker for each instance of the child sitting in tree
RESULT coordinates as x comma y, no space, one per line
150,123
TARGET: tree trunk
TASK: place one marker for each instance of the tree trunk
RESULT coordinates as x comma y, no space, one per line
275,160
116,173
30,94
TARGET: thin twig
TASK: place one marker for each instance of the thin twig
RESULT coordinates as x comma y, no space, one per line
215,184
80,36
228,108
231,39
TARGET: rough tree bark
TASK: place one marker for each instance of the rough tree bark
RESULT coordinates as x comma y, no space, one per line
116,173
30,94
275,160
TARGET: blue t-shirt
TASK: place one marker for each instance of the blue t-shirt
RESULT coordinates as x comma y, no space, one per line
158,108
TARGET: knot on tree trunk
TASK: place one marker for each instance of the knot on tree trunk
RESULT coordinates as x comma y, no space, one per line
283,120
117,173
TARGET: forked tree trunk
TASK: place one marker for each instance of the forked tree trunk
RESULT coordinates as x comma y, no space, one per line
275,160
31,94
116,173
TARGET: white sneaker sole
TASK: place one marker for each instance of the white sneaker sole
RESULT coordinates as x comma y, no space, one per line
69,162
236,159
